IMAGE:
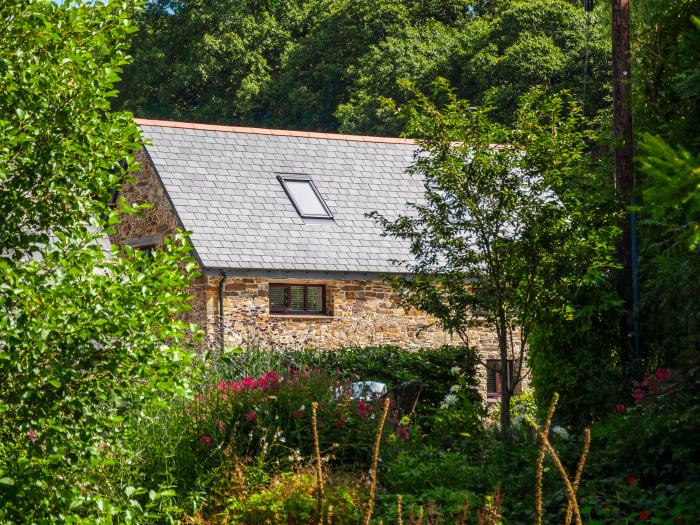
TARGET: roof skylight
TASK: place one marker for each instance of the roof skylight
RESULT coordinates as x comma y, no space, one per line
305,197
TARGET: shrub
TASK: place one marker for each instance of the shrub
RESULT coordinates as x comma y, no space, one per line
392,365
291,497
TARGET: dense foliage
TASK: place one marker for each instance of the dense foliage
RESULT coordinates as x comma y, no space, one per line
667,102
85,331
324,65
105,416
511,210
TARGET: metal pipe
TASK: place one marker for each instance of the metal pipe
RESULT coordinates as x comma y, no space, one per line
221,310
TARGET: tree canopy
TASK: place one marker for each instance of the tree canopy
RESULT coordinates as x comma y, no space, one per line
323,65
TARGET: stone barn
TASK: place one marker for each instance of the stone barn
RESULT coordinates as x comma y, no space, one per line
278,225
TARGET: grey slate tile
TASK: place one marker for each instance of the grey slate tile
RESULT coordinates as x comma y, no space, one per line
225,189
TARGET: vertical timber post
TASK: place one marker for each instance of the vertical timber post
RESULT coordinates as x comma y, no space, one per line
624,176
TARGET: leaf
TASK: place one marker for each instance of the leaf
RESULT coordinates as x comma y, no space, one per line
7,481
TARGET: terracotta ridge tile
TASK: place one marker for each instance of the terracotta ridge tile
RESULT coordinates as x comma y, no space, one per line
268,131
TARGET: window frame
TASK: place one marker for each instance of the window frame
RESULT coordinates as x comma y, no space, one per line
494,365
287,310
284,177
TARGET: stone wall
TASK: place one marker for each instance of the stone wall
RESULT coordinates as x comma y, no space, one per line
150,226
358,313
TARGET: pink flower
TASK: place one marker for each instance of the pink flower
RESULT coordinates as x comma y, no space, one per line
297,413
267,380
251,416
206,440
31,435
662,374
620,408
630,480
339,423
188,410
638,393
222,385
403,432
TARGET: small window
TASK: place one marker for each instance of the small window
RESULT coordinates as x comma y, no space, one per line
493,377
305,197
297,299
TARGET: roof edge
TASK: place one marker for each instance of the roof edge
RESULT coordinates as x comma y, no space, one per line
268,131
301,274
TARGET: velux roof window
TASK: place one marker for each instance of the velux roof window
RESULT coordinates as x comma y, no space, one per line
305,196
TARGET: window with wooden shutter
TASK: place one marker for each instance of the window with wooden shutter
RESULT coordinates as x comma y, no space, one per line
297,299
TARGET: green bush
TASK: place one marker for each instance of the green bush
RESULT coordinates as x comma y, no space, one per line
433,367
84,334
291,498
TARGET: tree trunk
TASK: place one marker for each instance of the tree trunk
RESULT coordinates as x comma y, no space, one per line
624,174
506,431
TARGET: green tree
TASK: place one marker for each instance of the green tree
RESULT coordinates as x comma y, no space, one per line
666,89
541,42
666,70
492,59
85,332
491,231
419,54
669,262
319,68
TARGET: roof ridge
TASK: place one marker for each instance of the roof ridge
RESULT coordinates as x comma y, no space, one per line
268,131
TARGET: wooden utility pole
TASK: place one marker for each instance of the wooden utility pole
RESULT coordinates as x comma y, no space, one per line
624,174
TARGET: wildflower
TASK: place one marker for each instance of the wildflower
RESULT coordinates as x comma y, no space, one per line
561,432
219,424
223,385
450,399
644,515
638,393
251,416
662,374
188,410
339,423
455,370
403,432
206,440
620,408
605,506
455,388
31,435
298,413
630,480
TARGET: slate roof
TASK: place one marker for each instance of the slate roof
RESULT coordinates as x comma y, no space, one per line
223,184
